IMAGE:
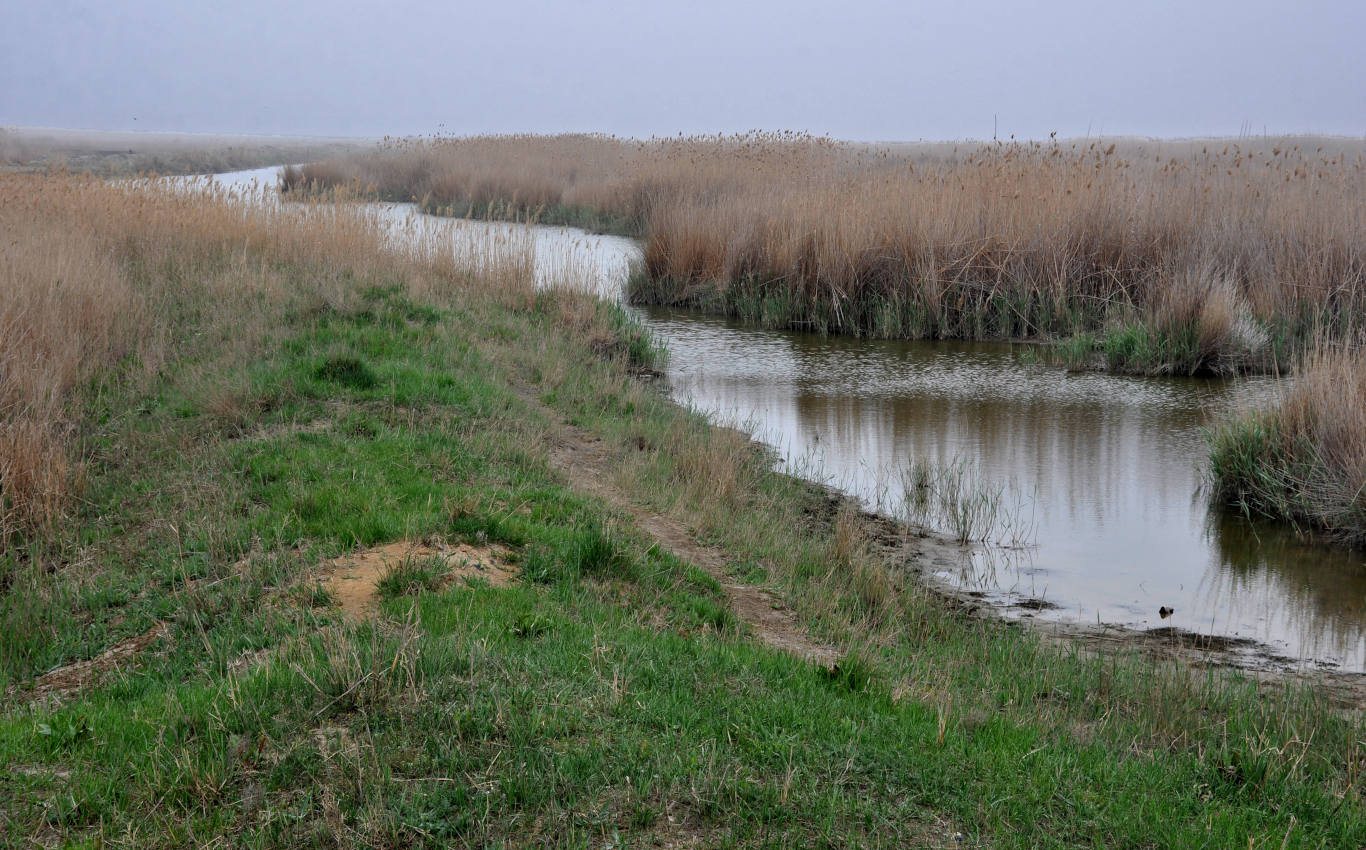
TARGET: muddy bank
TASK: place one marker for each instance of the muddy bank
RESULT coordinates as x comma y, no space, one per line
925,554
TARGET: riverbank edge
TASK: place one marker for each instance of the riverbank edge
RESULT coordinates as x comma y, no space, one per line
918,550
227,694
1126,344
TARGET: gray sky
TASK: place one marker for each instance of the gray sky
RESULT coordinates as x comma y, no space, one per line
861,70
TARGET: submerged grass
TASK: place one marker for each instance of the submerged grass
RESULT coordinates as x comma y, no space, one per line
954,498
610,697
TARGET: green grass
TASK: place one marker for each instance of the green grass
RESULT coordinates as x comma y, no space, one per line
586,218
609,697
412,575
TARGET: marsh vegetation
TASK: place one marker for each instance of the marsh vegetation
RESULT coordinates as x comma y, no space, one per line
111,153
262,389
1166,258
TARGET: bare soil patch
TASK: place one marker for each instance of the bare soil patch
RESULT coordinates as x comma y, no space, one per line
353,580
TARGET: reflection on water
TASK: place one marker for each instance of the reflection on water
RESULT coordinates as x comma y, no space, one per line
1262,573
1110,467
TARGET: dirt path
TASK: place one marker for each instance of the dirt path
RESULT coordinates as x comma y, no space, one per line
588,463
77,675
584,459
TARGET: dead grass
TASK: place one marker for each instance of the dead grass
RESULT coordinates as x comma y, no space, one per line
1002,240
113,152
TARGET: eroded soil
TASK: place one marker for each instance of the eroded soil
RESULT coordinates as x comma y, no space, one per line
77,675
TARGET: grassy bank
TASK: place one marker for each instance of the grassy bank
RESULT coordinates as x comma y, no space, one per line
281,392
1165,258
1303,460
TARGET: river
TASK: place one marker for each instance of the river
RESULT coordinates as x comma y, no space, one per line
1089,488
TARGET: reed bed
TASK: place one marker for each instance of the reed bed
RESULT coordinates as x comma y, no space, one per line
1304,459
1168,258
113,153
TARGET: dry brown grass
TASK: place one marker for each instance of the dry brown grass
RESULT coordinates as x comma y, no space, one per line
1003,240
112,152
1305,459
102,281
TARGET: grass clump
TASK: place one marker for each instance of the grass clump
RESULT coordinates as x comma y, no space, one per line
347,371
412,575
1303,460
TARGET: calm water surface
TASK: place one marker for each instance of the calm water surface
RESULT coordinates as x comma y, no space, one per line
1100,476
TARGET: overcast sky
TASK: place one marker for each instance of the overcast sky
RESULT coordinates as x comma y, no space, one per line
858,70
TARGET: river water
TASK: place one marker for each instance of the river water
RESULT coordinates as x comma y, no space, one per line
1088,489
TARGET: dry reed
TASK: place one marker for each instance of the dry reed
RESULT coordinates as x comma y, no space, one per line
1304,459
1236,248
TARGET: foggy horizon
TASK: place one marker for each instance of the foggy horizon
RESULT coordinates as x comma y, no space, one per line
869,72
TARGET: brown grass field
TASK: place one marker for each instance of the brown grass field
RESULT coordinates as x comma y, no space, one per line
110,153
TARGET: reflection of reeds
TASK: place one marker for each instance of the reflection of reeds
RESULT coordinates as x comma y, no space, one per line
956,499
1187,258
1315,592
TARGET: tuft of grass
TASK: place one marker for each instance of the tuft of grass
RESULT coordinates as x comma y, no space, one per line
412,575
1303,460
956,499
347,371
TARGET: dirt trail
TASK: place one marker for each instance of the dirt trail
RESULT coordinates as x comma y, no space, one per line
585,460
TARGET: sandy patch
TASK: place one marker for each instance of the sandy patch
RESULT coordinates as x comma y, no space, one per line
353,580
